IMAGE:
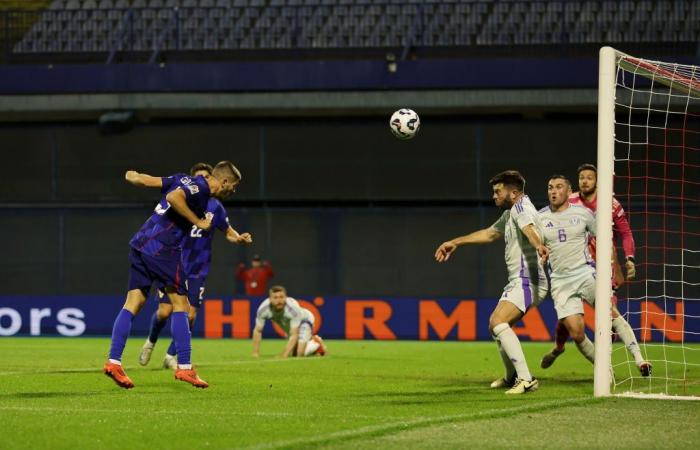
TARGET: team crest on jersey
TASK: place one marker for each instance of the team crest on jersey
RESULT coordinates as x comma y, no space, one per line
186,180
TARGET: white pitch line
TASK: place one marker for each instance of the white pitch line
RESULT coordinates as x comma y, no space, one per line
398,425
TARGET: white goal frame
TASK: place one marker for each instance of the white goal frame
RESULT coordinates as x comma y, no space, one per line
607,85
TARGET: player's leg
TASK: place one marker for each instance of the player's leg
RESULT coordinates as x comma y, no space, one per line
158,321
307,345
180,329
195,295
135,299
626,334
502,318
576,327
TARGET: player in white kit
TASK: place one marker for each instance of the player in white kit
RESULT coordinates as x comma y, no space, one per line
567,227
520,227
571,269
297,323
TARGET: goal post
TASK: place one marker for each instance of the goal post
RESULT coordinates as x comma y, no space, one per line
606,156
649,160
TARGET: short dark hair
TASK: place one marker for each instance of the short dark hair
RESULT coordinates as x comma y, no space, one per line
278,288
559,176
201,166
587,166
511,179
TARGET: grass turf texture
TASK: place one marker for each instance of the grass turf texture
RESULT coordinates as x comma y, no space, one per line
366,394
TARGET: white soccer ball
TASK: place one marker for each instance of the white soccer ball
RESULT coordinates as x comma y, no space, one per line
404,123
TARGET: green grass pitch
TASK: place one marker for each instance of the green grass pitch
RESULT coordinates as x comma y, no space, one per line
365,394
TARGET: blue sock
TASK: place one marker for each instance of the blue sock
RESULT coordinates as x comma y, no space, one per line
120,333
180,329
172,350
156,327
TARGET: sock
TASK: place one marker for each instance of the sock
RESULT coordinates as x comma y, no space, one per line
156,327
507,363
180,329
624,330
561,334
311,347
120,333
172,350
511,346
587,349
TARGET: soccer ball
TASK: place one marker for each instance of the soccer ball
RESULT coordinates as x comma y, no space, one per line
404,123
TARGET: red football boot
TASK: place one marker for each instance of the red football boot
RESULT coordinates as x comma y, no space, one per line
190,376
116,372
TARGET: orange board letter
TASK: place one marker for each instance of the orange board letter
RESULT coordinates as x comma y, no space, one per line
356,322
654,317
431,315
215,319
533,326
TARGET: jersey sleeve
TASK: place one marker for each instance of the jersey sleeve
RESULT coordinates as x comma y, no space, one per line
590,222
221,217
262,314
295,314
621,229
168,183
500,224
521,215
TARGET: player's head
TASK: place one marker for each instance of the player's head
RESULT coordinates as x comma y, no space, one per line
587,178
558,190
257,261
224,180
278,297
202,169
507,187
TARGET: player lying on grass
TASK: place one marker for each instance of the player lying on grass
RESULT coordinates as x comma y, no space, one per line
196,258
527,284
297,323
587,197
156,253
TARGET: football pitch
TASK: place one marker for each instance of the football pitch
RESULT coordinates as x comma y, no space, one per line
364,394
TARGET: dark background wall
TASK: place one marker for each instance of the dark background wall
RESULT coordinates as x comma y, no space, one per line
337,206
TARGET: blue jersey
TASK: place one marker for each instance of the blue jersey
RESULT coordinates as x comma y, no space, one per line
196,249
164,232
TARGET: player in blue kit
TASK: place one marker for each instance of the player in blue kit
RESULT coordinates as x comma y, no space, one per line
156,258
196,258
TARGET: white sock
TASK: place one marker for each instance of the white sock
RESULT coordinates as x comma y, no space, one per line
311,347
184,366
114,361
511,346
624,330
149,344
587,349
507,363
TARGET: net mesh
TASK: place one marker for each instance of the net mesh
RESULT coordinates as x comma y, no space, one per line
657,179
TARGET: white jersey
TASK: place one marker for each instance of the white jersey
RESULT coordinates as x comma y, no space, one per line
522,260
288,318
566,235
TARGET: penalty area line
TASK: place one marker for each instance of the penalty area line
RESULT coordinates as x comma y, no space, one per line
403,425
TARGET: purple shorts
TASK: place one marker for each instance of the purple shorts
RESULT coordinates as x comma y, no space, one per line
195,292
147,270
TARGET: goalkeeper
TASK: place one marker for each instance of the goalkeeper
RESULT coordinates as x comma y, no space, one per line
566,229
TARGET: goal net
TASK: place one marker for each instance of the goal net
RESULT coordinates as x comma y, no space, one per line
649,159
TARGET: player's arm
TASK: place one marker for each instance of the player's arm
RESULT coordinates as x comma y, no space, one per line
178,201
143,180
485,236
238,238
622,231
257,337
533,236
292,342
